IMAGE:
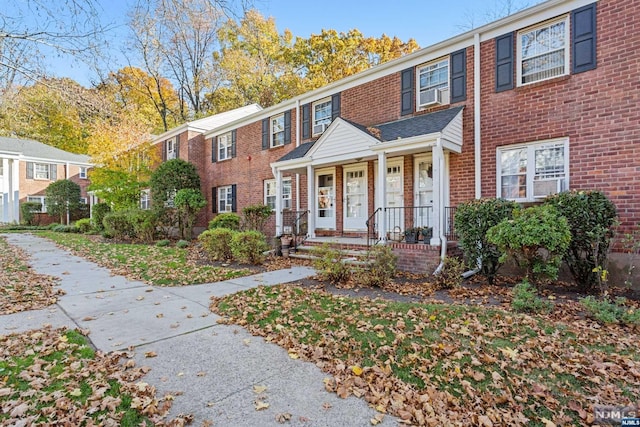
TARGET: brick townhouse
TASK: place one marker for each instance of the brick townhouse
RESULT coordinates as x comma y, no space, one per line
27,167
541,101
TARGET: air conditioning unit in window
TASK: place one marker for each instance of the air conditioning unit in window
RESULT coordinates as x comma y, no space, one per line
318,129
545,187
434,97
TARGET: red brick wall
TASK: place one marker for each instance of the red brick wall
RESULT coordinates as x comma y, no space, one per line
372,103
597,110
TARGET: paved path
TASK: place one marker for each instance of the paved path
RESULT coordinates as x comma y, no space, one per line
210,368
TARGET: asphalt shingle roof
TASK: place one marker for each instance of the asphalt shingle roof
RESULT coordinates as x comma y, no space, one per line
297,152
418,125
31,148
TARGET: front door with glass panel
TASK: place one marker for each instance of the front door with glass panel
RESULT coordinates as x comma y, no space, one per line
355,198
424,191
325,196
394,186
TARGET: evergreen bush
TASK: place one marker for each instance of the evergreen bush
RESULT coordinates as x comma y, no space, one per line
217,243
248,247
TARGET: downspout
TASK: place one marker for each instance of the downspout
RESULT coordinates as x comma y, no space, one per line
297,145
443,238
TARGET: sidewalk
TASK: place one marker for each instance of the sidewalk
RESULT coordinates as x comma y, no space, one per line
210,368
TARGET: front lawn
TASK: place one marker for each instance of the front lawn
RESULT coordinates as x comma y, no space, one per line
156,265
441,364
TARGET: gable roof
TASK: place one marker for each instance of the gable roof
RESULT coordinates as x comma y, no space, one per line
210,123
418,125
35,150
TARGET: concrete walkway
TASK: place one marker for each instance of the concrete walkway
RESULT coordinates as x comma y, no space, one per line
210,368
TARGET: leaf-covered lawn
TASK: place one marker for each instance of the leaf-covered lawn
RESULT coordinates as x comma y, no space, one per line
439,364
21,288
164,266
52,377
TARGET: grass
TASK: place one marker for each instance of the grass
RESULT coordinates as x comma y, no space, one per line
157,265
467,361
53,376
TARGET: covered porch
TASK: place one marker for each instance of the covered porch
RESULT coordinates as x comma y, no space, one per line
375,183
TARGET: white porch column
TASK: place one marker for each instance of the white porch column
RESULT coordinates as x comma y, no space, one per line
278,207
12,175
5,191
438,194
311,201
381,188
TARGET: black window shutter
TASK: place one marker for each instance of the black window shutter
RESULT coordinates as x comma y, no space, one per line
53,172
29,170
214,199
504,62
214,148
233,143
164,151
459,75
406,91
265,134
583,38
234,206
306,121
287,127
335,106
177,147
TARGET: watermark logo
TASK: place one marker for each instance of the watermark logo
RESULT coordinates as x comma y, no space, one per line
616,415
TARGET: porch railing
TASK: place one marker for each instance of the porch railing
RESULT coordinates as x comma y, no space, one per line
372,228
399,219
449,223
296,224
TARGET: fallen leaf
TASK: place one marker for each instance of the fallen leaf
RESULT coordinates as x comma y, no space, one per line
259,389
150,354
283,417
260,405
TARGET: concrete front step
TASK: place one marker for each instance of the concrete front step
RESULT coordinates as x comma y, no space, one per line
351,257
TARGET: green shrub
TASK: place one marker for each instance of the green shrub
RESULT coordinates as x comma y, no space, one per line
52,226
163,243
118,224
255,217
182,244
607,311
591,217
382,267
450,276
329,264
472,220
537,238
526,299
98,212
228,220
84,225
144,223
217,243
62,228
248,247
29,213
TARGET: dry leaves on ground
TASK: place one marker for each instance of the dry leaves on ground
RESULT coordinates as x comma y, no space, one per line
20,287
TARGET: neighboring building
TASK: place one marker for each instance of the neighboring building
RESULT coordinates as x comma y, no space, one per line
541,101
27,168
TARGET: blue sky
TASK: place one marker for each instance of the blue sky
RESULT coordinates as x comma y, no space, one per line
427,21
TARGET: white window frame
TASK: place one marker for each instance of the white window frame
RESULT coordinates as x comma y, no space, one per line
82,172
225,199
39,199
558,178
145,199
276,130
566,47
225,142
46,175
270,193
171,149
440,90
319,125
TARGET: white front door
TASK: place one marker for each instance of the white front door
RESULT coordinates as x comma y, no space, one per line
355,197
424,190
325,199
394,186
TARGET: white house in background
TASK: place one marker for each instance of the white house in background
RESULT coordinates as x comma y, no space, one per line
27,167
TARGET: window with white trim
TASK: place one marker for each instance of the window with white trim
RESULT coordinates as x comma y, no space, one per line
543,52
225,199
277,130
39,199
531,172
321,115
171,149
270,193
433,83
41,171
145,199
83,172
225,150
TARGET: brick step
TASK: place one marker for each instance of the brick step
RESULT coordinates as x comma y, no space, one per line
351,257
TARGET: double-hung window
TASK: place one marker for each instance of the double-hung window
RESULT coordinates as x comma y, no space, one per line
270,193
533,171
145,199
321,115
171,147
225,150
225,199
39,199
83,172
543,52
41,171
277,130
433,83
